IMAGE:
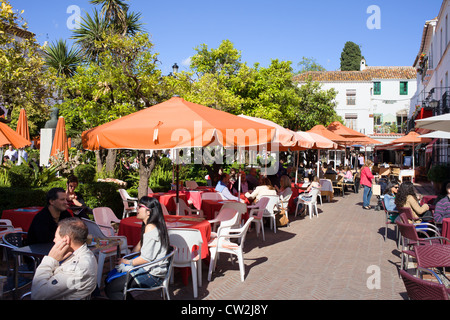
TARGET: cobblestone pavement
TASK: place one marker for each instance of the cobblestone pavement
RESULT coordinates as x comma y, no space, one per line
335,256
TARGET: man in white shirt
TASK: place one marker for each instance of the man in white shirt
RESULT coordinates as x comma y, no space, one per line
11,153
69,272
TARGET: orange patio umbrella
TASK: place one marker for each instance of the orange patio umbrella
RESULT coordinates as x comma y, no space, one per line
22,125
412,138
176,124
320,142
324,132
285,138
60,143
9,136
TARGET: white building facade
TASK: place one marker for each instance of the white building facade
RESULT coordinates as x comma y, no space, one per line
433,90
374,101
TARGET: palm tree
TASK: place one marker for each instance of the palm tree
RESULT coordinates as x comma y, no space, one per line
63,59
114,11
92,31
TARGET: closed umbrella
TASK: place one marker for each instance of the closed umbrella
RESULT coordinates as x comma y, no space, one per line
22,125
60,143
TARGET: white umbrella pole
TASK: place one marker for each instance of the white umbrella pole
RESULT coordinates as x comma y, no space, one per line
318,162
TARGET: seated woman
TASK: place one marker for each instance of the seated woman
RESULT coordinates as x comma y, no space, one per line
265,188
406,197
285,190
348,174
222,187
389,199
154,245
75,199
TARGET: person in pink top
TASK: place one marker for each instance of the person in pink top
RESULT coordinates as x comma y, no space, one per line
366,182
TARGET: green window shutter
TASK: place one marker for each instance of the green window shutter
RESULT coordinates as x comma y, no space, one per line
403,88
377,88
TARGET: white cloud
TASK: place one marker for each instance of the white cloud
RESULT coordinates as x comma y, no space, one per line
186,62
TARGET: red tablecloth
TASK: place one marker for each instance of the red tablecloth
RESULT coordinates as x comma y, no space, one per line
446,229
131,228
168,199
210,207
22,217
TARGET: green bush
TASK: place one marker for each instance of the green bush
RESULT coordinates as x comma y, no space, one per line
102,194
20,176
13,198
439,173
85,173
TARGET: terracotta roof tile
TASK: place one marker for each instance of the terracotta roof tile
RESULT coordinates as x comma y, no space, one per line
369,74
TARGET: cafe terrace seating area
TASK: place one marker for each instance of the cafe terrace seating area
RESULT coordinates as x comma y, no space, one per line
222,229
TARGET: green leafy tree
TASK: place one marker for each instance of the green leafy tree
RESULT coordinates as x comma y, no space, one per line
309,64
24,82
351,57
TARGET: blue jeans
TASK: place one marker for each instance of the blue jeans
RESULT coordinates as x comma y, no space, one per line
367,195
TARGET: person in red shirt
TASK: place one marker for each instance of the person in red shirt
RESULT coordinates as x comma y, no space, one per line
366,182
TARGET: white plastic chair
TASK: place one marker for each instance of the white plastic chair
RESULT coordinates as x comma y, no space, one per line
257,212
312,203
212,196
96,232
191,185
270,211
127,200
186,210
225,214
104,216
186,240
164,209
164,286
222,244
6,226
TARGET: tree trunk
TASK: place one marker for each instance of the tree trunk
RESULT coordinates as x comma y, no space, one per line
146,166
110,163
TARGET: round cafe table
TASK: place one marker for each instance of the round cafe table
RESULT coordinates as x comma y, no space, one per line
131,228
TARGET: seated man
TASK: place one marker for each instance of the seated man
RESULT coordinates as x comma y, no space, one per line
69,272
223,189
45,223
442,209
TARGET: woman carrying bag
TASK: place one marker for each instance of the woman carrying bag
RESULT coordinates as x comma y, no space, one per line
366,182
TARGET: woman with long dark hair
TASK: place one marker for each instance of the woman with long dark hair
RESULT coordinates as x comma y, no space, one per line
154,245
406,197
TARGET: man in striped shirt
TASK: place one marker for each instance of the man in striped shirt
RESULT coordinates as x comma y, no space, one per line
442,209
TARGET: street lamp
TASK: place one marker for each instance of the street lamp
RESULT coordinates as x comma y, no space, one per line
434,104
175,68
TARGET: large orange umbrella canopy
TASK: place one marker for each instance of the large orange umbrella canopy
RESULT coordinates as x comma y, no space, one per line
22,125
344,131
352,136
411,138
319,142
60,143
324,132
177,123
284,137
9,136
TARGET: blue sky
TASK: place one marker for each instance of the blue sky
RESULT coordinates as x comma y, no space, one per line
262,30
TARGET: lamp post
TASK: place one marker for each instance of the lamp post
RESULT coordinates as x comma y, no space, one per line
175,68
